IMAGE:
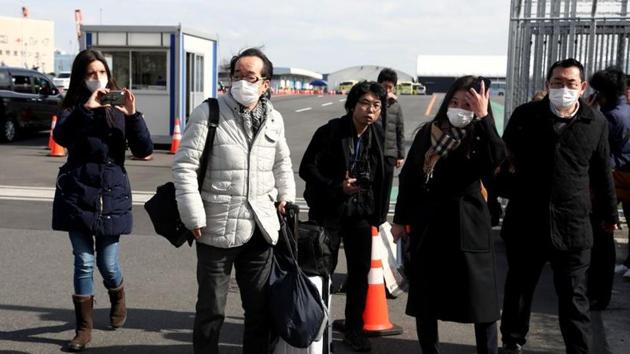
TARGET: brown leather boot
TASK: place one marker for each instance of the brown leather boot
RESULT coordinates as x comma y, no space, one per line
83,312
118,312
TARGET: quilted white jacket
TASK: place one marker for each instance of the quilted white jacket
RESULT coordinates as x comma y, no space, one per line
240,186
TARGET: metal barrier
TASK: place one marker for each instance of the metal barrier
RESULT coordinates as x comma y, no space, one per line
595,32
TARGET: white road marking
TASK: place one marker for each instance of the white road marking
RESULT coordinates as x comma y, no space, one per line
342,100
326,104
303,109
320,95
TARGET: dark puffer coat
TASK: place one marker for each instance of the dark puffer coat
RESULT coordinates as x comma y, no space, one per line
92,192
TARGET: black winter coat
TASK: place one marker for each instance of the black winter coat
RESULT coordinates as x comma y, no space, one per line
324,167
92,193
451,269
393,125
554,176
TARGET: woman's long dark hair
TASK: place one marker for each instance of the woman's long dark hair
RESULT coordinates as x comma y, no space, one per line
462,83
78,92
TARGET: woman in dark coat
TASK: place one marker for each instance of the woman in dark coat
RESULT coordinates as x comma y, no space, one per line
93,196
452,262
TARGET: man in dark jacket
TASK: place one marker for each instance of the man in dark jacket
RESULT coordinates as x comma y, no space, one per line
559,151
393,125
610,89
344,174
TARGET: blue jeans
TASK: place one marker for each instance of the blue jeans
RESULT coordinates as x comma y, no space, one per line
106,261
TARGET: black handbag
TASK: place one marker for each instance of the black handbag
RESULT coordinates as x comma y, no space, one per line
298,314
314,249
162,207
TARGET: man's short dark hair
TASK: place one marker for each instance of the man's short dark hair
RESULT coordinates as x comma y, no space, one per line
267,71
360,89
566,63
387,74
610,83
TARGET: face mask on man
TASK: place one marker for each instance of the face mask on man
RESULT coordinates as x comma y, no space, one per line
94,85
459,118
563,97
244,92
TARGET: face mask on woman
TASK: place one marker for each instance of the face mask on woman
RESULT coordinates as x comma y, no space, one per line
563,97
458,117
245,92
94,85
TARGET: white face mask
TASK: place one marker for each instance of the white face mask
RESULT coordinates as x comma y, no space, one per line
563,97
94,85
245,92
458,117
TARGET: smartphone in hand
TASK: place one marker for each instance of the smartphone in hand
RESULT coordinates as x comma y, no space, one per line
114,98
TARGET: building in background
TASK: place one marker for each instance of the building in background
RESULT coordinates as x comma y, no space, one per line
293,79
63,62
27,43
438,72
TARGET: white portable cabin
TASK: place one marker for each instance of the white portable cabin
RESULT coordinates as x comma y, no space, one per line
170,69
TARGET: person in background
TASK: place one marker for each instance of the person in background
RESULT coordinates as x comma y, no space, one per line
92,195
609,95
343,167
393,124
539,95
452,273
547,216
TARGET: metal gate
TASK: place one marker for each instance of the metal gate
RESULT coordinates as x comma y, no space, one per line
595,32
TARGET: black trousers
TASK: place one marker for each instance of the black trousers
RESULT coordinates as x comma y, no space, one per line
601,273
427,329
252,262
569,277
357,240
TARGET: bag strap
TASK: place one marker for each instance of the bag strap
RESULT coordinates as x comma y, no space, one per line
213,123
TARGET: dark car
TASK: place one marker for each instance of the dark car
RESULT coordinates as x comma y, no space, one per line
28,99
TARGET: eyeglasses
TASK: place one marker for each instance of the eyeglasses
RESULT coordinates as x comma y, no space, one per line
557,84
366,104
252,79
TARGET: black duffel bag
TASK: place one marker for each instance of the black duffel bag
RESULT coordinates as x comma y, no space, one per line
162,207
298,313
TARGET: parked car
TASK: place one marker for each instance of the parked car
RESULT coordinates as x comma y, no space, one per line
62,81
28,99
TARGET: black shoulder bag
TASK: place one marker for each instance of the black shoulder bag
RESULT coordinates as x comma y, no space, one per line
162,207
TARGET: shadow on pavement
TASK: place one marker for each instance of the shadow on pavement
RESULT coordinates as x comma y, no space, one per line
172,325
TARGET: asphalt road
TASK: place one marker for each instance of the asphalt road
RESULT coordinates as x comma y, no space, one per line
36,264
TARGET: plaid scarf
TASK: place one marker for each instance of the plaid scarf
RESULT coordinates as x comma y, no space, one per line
443,141
252,120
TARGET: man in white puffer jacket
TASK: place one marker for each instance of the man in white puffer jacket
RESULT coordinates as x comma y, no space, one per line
234,218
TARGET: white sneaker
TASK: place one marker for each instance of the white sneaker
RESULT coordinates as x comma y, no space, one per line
621,268
626,275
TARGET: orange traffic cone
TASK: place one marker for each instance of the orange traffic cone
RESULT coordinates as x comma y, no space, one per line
375,315
57,150
177,137
52,127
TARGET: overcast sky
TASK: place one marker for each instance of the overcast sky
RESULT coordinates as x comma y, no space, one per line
319,35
